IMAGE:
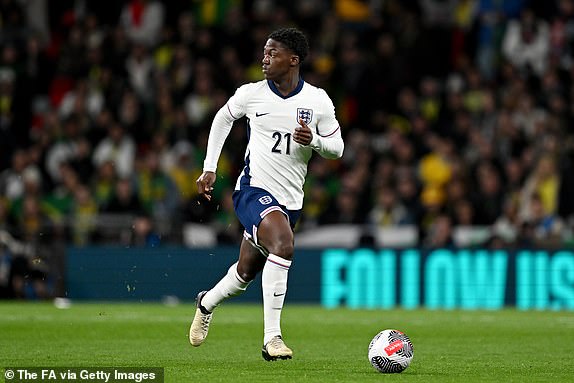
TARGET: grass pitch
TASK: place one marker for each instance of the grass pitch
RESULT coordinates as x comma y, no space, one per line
329,345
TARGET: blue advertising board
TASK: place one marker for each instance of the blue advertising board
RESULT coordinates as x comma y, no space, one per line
357,278
448,279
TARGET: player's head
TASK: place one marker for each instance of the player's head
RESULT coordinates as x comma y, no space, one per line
294,40
284,51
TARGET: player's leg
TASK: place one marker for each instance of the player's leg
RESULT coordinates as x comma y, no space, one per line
276,236
238,277
251,261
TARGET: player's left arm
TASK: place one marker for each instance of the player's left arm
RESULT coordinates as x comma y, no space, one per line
328,144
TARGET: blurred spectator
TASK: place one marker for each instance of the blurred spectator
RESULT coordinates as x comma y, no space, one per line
11,180
506,226
464,213
130,116
183,170
528,117
430,102
432,201
118,148
140,69
408,194
439,234
562,35
13,20
143,232
180,72
11,110
32,188
492,19
123,199
73,61
344,209
103,182
60,201
37,65
510,140
438,16
82,100
32,224
384,171
464,15
488,196
72,148
83,216
164,111
156,190
513,178
456,190
527,43
387,210
4,215
403,152
546,227
143,20
543,182
320,188
5,263
435,168
159,144
199,102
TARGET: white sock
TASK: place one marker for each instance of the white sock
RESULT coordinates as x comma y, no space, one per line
274,284
230,285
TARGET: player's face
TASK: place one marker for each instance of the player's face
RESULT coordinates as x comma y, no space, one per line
277,60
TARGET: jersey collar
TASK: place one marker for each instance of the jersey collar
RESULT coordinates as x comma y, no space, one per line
293,93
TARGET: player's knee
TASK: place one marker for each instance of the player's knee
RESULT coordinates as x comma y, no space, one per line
283,248
247,274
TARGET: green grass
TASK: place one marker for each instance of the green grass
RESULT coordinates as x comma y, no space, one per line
329,345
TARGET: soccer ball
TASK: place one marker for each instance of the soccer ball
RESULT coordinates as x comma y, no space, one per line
390,351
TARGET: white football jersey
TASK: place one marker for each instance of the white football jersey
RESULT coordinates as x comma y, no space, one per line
273,161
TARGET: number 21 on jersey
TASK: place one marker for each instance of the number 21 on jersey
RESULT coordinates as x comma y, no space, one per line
279,138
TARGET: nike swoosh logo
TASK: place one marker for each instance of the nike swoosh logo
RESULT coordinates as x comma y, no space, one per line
278,295
261,114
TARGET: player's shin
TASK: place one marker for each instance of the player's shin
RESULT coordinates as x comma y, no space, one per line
230,285
274,285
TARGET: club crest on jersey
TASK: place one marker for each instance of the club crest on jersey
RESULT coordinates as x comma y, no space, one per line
305,114
265,200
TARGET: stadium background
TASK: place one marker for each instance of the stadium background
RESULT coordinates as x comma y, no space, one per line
457,117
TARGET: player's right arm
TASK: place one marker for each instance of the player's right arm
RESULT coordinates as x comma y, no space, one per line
220,128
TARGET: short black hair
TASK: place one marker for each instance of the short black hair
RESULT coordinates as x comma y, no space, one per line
293,39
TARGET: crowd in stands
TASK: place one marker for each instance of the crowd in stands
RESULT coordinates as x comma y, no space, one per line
454,113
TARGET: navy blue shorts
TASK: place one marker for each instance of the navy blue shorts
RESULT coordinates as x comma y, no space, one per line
252,204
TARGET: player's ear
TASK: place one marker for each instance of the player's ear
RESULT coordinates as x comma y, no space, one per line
294,60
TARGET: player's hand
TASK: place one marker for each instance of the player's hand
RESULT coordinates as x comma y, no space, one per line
205,184
303,134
